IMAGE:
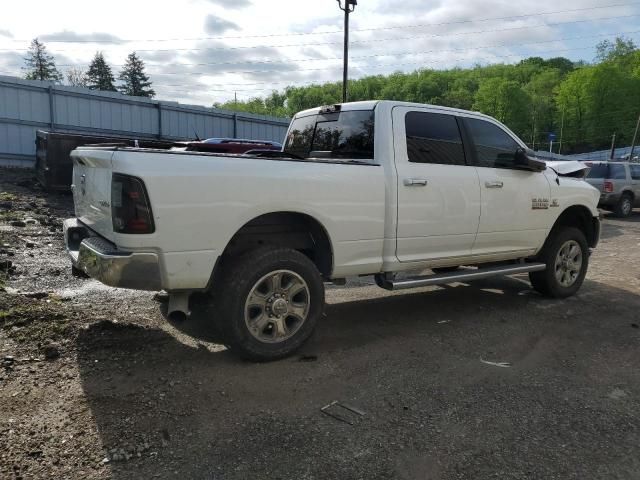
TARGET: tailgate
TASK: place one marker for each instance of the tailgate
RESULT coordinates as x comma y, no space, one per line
92,188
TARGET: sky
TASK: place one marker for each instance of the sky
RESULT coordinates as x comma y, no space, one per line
205,51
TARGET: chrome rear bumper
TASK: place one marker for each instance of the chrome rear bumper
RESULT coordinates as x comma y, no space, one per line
102,260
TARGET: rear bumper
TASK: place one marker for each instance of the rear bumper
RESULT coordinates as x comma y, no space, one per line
102,260
609,199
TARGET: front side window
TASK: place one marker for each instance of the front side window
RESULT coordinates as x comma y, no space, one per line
433,138
495,148
338,135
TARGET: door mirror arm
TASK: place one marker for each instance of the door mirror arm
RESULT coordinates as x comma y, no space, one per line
523,161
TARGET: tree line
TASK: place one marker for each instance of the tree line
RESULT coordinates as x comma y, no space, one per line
40,65
583,104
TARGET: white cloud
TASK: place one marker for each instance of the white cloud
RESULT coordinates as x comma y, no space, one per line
231,4
217,25
71,36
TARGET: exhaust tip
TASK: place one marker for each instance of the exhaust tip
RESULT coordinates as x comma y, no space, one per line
178,309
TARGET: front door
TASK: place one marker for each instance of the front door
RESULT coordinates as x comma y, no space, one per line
516,206
438,193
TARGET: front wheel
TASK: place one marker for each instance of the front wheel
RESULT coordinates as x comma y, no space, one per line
566,256
269,301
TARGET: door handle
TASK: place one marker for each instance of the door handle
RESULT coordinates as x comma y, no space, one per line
496,184
415,182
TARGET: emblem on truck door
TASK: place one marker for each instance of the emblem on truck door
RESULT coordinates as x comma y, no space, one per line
539,203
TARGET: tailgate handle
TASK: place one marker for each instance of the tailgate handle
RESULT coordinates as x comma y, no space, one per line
496,184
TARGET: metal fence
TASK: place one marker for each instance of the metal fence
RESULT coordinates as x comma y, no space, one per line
27,106
606,154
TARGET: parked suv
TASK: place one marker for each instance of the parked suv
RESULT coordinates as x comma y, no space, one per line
619,185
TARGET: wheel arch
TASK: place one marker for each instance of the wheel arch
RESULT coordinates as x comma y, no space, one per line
629,192
291,229
580,217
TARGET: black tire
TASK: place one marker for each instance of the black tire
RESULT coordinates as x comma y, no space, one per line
238,279
624,207
546,281
445,269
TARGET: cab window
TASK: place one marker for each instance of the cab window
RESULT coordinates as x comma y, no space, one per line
635,171
495,148
433,138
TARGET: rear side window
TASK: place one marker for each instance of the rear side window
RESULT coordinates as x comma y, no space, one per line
494,147
599,170
635,171
433,138
617,172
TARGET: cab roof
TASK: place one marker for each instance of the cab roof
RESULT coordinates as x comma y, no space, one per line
371,104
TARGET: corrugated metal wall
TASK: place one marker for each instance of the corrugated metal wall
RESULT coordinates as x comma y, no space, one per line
27,106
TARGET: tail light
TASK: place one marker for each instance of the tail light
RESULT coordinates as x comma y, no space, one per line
130,208
608,186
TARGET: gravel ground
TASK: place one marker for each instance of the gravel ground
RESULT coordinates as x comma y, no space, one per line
95,383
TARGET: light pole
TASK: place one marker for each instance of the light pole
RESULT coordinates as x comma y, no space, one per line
349,7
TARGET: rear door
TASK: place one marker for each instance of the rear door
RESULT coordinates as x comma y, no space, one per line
515,204
438,192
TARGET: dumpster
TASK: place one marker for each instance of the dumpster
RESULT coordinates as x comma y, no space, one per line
54,167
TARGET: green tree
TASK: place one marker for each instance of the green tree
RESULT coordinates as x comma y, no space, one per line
598,101
619,48
543,109
99,75
40,65
136,82
506,101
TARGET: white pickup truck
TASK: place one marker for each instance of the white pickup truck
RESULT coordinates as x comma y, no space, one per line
366,188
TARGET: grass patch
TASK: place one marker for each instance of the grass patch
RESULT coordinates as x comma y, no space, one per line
8,217
8,197
32,323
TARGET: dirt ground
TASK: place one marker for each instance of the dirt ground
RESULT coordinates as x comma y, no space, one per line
96,383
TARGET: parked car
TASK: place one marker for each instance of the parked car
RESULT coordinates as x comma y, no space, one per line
231,145
365,188
619,185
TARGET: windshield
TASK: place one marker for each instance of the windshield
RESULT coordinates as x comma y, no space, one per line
341,135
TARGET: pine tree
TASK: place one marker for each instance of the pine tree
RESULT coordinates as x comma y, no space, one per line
99,75
136,82
40,65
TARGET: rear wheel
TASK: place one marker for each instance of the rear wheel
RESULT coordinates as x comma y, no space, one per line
269,300
566,256
625,206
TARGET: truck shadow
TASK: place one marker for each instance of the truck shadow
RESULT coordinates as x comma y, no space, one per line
168,408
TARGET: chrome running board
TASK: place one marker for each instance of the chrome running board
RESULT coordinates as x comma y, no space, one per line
387,283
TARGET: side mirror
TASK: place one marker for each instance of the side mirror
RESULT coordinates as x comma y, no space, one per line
525,162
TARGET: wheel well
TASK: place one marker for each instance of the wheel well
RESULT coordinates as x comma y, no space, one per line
285,229
581,218
628,193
